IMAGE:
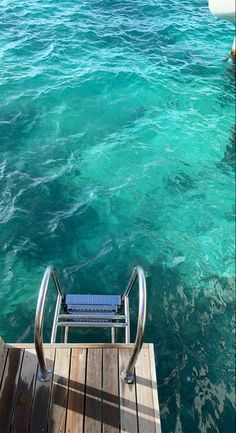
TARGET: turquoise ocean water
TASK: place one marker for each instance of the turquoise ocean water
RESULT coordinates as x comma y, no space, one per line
116,149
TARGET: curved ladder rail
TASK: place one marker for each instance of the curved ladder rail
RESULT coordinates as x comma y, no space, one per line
45,374
137,274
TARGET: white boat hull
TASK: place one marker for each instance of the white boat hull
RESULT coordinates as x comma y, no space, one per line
224,9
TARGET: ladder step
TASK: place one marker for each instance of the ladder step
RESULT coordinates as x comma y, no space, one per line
91,324
93,299
93,316
91,308
92,303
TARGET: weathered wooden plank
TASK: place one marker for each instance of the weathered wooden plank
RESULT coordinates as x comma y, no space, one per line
92,422
111,399
57,414
73,345
1,345
145,408
24,393
41,399
128,412
76,396
3,357
154,389
8,388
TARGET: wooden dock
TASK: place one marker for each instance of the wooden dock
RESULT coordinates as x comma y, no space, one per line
85,393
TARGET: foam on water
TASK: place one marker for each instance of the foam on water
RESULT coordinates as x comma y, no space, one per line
117,148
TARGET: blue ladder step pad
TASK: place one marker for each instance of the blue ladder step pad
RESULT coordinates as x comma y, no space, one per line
86,300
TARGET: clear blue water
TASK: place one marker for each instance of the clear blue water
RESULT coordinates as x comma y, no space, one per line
116,147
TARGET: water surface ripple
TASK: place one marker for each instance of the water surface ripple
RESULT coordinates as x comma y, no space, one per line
117,148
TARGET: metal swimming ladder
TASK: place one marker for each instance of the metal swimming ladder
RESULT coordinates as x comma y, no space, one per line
103,311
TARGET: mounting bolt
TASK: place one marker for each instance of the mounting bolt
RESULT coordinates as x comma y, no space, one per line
128,378
45,378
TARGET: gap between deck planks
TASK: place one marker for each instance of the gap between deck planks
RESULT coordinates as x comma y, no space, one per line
85,393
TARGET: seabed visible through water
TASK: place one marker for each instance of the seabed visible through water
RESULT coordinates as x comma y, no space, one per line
116,149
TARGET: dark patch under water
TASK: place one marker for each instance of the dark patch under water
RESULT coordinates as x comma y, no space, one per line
117,149
230,151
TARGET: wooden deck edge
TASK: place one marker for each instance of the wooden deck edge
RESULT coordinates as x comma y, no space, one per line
74,345
2,345
154,388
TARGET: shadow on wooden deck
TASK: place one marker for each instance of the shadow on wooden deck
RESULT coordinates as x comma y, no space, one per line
84,395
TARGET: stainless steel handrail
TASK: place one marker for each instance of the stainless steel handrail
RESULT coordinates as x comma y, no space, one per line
50,272
138,273
39,315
